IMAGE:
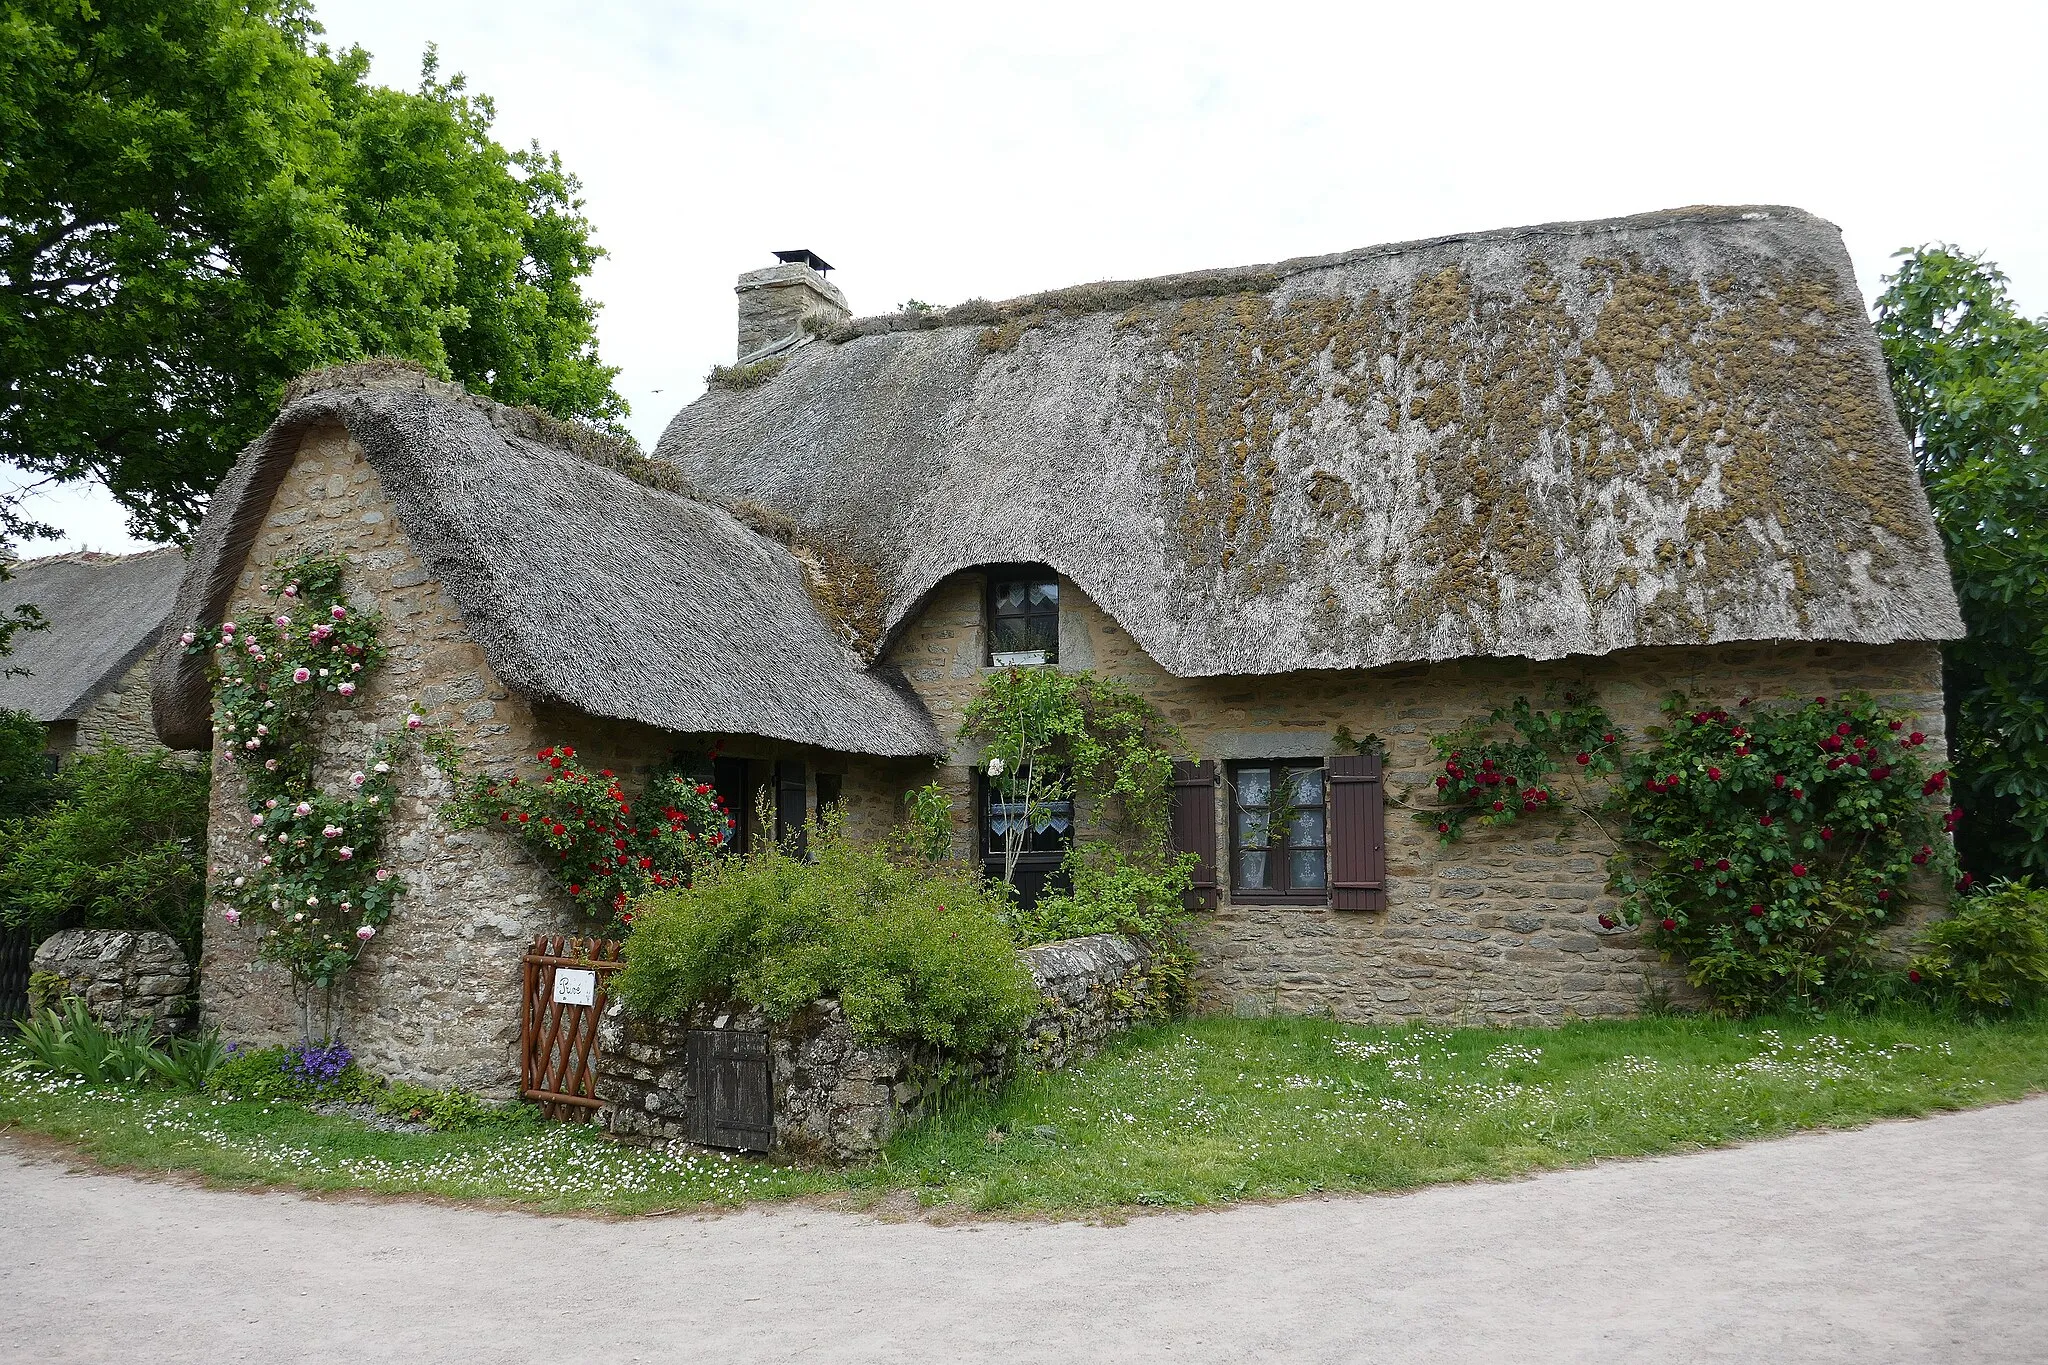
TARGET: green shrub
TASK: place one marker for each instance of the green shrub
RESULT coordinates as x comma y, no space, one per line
911,950
187,1063
1766,847
1992,953
24,765
298,1073
451,1111
121,847
1110,892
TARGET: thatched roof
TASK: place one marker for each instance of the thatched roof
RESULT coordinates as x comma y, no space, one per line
103,614
1555,440
582,585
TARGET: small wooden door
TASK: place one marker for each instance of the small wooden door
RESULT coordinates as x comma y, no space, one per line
731,1104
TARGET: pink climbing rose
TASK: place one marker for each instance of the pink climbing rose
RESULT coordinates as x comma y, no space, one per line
302,675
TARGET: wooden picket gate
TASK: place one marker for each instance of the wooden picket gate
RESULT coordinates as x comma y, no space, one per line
557,1041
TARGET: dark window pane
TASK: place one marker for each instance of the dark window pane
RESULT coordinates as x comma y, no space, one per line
1254,786
1251,829
1308,786
1307,829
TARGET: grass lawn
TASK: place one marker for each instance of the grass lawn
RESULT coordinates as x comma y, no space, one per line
1199,1112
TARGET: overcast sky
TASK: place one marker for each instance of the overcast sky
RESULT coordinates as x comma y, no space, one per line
943,151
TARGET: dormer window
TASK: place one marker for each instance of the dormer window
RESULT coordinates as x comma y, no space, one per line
1023,615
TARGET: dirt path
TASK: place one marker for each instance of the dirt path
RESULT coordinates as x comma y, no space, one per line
1907,1241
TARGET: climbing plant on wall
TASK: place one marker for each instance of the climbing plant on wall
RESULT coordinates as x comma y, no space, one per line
319,891
606,849
1762,847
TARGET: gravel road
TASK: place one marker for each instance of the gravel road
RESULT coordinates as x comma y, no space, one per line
1911,1241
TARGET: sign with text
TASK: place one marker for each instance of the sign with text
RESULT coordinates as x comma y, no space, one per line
575,986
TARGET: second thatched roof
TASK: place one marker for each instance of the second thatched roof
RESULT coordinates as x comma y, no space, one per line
101,614
1568,439
583,586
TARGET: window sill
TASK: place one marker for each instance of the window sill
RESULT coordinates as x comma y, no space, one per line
1279,898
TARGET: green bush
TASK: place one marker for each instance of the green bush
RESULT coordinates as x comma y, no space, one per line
1766,847
24,765
1992,953
450,1111
912,951
121,847
1110,892
299,1073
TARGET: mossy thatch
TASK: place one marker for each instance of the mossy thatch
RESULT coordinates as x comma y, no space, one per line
1573,438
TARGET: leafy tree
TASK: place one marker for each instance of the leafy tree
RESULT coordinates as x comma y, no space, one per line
1970,374
198,202
123,846
25,785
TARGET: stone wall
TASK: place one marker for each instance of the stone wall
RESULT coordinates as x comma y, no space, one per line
435,998
1501,927
840,1099
125,977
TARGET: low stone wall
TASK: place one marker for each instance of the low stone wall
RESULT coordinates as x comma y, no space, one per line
124,977
837,1098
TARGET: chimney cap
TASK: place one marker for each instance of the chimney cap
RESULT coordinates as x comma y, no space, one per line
803,255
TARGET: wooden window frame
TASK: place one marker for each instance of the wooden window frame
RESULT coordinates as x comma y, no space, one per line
1028,574
1315,896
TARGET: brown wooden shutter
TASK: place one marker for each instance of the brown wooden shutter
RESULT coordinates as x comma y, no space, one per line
1194,827
1358,834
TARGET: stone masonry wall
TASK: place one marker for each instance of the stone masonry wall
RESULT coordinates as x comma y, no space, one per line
120,715
435,998
840,1099
1498,928
125,977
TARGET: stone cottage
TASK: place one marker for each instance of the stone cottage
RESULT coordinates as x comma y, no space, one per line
86,674
1385,490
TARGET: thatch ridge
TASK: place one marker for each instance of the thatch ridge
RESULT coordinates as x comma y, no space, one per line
582,585
103,613
1574,438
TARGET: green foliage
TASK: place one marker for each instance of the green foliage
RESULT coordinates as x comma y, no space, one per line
1111,893
912,951
1765,848
121,846
582,829
450,1111
1495,780
26,785
1991,953
930,822
1970,374
197,203
278,1073
188,1063
319,892
67,1039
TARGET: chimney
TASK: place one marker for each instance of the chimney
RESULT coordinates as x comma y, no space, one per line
775,302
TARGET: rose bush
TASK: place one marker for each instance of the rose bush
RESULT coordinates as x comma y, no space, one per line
584,829
1764,847
318,892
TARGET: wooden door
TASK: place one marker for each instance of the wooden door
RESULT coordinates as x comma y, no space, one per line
731,1104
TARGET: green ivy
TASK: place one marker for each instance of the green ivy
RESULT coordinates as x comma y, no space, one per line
1765,847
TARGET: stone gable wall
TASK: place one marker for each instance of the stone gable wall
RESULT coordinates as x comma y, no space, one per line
120,715
435,999
1498,928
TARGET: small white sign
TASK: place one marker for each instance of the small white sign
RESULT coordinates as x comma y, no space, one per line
574,986
1025,658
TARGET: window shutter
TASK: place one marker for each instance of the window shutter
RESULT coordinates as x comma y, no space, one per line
1194,827
1358,834
789,799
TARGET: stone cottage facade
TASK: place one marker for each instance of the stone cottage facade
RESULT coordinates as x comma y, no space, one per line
1386,491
